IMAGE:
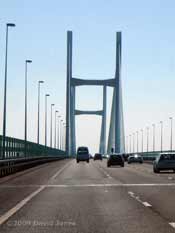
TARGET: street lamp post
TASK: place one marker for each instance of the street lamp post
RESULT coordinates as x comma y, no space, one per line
133,142
61,134
47,95
142,140
147,128
171,133
58,133
55,128
130,143
25,123
38,131
51,124
137,141
161,135
64,134
5,88
126,144
153,125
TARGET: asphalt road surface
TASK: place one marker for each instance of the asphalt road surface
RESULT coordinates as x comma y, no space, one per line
64,196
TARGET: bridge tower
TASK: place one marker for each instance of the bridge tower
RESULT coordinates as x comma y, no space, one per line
116,130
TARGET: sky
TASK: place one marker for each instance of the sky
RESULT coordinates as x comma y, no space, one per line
148,62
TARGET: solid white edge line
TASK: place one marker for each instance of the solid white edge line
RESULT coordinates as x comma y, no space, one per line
13,210
60,170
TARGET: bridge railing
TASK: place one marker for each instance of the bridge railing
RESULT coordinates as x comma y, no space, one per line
18,148
18,155
151,155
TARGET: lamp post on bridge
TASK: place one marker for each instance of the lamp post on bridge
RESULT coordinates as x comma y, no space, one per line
51,109
46,95
153,125
130,143
25,123
5,90
137,141
126,144
38,133
133,142
147,128
56,111
61,134
142,140
171,133
161,135
64,134
58,133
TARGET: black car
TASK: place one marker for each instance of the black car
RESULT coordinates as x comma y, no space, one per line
115,159
98,156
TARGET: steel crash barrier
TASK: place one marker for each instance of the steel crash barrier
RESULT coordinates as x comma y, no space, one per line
17,155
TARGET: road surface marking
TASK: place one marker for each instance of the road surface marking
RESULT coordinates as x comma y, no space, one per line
137,198
170,178
105,173
60,170
87,185
172,224
130,193
146,204
12,211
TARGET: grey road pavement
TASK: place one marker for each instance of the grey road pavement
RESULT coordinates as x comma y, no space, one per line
64,196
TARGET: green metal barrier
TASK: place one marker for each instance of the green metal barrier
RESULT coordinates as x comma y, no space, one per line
20,155
17,148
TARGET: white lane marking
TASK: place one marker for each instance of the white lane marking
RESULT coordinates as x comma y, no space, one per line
172,224
146,204
130,193
60,170
137,198
87,185
105,173
170,178
12,211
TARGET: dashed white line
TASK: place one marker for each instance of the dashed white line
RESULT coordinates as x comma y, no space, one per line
146,204
105,173
172,224
137,198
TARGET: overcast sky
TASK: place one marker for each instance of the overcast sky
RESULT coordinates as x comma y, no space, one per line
148,66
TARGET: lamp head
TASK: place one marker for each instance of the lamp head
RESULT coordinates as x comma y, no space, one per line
10,25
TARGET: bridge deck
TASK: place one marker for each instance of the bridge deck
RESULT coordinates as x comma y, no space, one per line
64,196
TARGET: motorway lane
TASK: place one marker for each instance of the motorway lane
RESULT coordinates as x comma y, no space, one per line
11,194
93,198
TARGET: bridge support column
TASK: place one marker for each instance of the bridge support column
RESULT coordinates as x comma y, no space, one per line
72,122
116,131
69,76
102,148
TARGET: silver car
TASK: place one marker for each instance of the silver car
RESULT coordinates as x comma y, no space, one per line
135,159
164,161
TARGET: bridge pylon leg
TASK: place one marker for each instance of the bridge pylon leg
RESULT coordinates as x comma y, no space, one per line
102,148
